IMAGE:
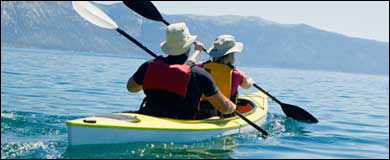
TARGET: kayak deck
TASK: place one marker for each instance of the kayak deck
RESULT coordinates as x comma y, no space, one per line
120,127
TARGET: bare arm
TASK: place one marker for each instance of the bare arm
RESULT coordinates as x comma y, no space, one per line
133,86
221,103
246,83
198,50
192,58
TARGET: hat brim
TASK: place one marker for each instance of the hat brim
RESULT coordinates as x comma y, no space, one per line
175,50
237,48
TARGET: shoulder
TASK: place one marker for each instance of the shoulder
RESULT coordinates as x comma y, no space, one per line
238,73
199,70
143,68
201,64
145,64
192,63
201,74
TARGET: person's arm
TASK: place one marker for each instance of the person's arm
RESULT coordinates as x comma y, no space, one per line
221,103
133,86
246,83
198,49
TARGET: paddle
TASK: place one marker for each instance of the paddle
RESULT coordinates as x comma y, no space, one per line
147,10
96,16
263,132
292,111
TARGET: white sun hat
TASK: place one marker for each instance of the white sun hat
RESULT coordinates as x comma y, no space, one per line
178,39
223,45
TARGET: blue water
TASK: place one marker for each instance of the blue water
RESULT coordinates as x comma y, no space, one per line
40,90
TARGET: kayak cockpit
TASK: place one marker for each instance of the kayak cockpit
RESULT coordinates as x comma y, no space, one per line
244,106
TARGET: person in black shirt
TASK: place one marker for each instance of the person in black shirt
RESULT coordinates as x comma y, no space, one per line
172,87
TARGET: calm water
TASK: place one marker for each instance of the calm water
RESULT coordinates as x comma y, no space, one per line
42,90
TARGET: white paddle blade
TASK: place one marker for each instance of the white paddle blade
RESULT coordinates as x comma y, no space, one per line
93,14
107,2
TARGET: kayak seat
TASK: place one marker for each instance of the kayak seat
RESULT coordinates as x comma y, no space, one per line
244,106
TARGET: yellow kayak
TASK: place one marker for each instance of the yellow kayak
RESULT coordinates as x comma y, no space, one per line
133,127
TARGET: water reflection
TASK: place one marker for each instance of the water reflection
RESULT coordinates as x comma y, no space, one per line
217,148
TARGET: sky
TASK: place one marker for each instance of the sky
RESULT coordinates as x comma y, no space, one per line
363,19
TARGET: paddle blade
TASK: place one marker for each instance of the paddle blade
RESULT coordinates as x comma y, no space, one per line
93,14
145,9
298,113
107,2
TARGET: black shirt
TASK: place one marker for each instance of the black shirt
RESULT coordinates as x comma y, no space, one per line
200,83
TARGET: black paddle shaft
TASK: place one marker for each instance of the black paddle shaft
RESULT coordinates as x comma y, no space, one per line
136,42
147,10
265,133
292,111
269,95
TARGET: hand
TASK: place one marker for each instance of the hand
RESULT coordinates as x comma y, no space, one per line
250,81
198,46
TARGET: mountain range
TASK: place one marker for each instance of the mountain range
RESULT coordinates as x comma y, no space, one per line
55,25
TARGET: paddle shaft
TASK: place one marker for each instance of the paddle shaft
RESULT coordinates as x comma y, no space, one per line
156,16
136,42
292,111
269,95
265,133
165,22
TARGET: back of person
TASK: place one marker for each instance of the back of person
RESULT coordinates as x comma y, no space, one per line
173,94
222,69
173,88
226,77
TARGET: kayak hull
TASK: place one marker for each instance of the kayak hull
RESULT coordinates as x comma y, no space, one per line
112,136
132,127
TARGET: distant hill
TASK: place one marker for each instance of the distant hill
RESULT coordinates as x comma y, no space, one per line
55,25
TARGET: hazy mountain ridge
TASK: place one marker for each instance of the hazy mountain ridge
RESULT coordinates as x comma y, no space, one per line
55,25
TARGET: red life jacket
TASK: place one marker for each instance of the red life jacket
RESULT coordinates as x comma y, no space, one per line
173,78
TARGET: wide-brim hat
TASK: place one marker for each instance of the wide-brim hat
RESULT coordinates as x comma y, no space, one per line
178,39
223,45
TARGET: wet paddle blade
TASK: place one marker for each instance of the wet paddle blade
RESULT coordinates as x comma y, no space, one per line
93,14
298,113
